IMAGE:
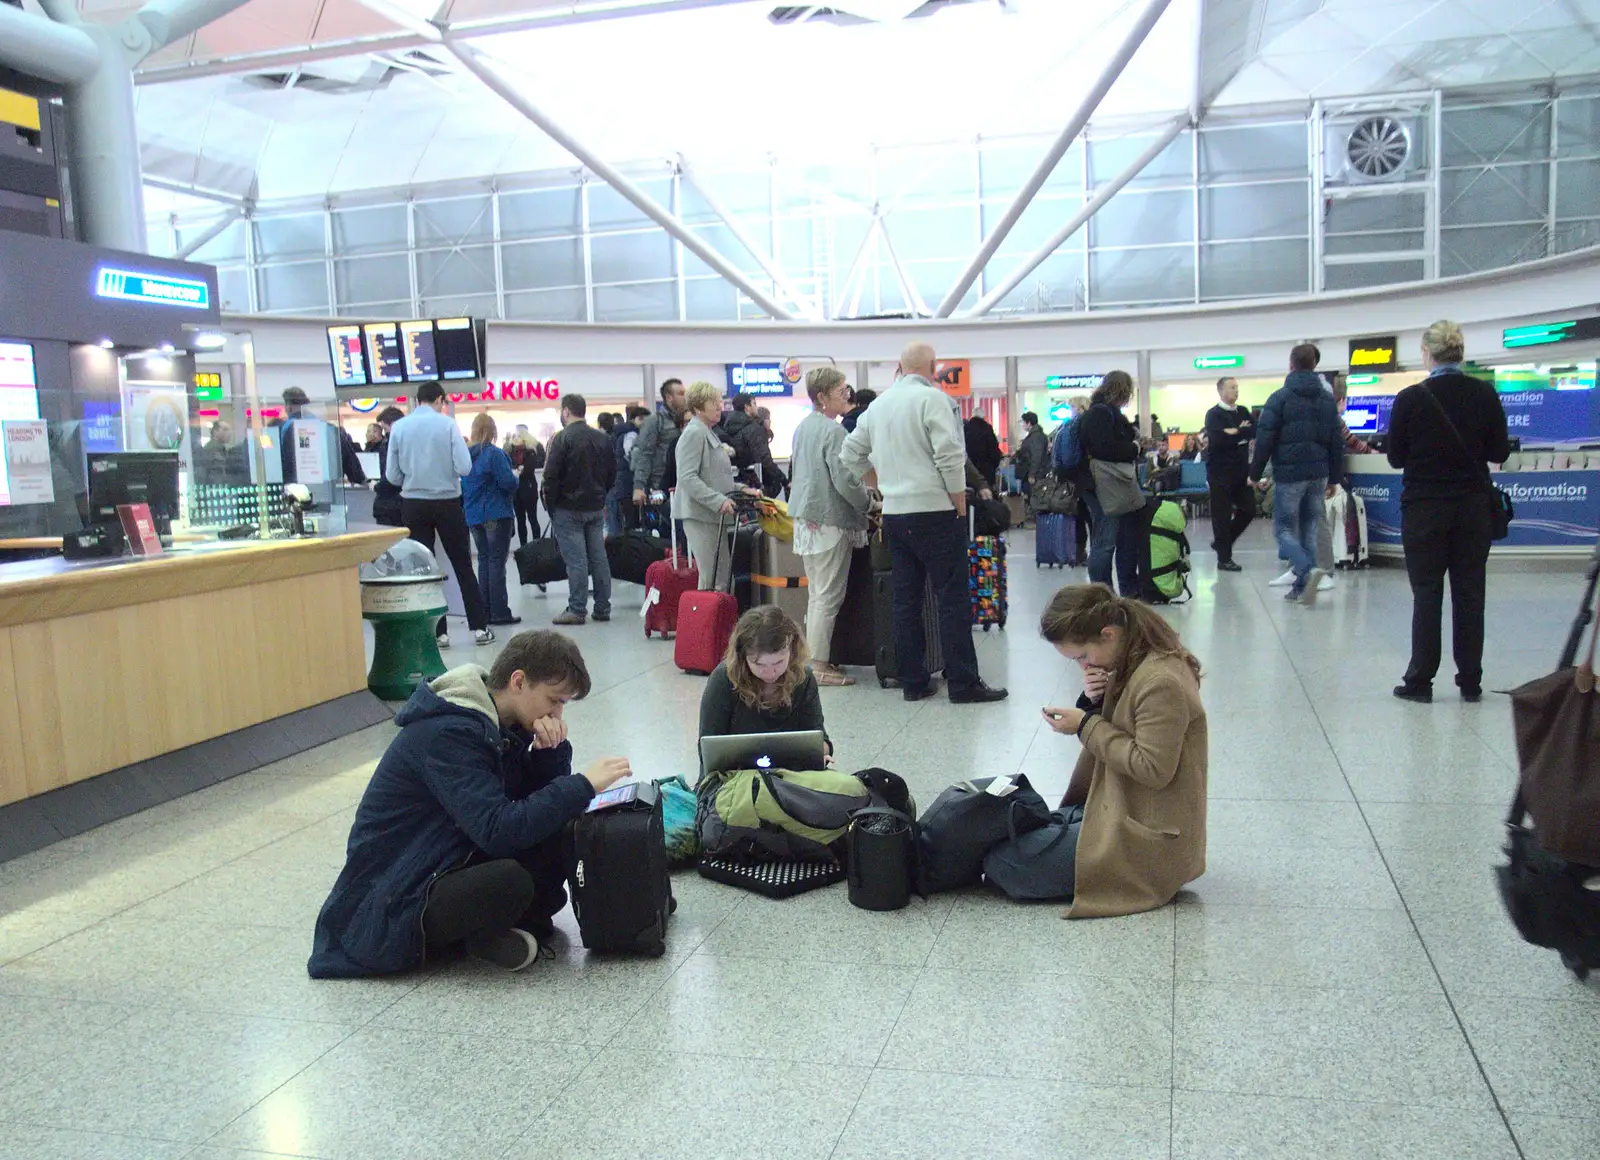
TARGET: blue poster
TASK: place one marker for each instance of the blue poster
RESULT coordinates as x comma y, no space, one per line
1551,416
764,380
102,426
1554,509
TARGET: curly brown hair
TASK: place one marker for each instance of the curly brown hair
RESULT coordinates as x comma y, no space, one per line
764,630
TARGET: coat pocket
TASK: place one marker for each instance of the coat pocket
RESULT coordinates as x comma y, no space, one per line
1146,832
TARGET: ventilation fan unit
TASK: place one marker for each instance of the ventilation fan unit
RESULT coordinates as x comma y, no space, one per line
1372,148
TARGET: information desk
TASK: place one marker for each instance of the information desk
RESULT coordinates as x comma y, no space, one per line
1557,512
109,662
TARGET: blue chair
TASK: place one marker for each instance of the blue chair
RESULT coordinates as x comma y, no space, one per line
1194,491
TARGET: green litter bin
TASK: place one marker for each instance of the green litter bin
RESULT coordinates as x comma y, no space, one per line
402,594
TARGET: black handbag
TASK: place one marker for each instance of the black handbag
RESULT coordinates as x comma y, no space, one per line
1501,510
881,850
540,562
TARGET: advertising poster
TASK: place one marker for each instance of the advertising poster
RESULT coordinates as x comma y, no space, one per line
26,478
1554,509
309,440
155,418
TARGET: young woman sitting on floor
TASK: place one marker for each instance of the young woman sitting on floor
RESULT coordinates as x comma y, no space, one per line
763,685
1141,779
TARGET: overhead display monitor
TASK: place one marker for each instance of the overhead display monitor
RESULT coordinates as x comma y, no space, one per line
384,364
455,344
417,349
349,362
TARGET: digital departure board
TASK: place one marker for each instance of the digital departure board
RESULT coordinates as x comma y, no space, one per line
456,346
384,362
416,345
349,363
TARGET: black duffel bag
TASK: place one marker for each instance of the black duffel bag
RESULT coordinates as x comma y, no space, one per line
539,562
631,554
990,517
965,822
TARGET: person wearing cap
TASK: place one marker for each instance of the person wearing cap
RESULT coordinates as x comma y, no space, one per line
295,401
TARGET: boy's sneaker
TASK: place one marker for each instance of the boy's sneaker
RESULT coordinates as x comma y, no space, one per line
442,640
569,618
513,949
1283,581
484,636
1296,594
1314,579
1326,583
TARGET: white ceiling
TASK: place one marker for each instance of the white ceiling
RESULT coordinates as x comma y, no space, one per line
725,86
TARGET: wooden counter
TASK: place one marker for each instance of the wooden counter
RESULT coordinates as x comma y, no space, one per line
107,663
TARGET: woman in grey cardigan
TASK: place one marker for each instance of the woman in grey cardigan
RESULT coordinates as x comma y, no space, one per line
829,505
706,487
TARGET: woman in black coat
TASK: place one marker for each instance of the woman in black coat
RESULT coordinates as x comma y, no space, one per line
983,448
1443,433
1105,434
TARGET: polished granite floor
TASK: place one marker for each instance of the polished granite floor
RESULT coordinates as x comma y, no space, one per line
1340,984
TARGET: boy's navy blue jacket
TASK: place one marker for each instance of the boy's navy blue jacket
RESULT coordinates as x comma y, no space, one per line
451,786
1299,433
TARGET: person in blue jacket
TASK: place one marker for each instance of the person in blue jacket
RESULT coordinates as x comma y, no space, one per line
457,840
487,492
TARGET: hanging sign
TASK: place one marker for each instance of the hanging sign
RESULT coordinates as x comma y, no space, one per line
1547,333
1218,362
764,380
1378,355
954,377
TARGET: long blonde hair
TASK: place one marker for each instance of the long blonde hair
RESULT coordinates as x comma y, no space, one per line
483,428
1080,612
763,630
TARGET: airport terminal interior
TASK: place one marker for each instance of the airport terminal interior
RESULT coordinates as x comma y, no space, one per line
269,267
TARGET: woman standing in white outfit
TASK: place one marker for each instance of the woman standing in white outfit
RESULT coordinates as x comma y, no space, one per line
829,505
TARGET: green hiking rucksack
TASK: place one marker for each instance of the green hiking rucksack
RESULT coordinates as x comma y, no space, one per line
1167,581
755,814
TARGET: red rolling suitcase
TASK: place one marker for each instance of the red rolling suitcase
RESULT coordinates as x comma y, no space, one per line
705,625
665,583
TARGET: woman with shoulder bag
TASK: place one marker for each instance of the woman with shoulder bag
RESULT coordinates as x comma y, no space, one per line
1108,481
1443,434
1139,787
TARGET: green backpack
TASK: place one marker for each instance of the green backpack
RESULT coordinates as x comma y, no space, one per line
756,814
1167,581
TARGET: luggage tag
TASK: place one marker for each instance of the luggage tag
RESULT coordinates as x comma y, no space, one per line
1001,787
651,597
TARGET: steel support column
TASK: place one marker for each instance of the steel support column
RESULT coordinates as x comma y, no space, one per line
1090,208
779,279
479,65
1069,133
209,235
38,47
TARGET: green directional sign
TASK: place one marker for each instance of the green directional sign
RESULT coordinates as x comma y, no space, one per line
1541,335
1363,380
1218,362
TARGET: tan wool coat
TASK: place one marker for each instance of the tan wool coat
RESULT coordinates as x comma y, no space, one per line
1142,782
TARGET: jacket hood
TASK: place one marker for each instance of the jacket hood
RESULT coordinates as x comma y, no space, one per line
461,692
1306,384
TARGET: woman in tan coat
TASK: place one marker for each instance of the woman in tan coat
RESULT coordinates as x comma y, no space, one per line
1141,779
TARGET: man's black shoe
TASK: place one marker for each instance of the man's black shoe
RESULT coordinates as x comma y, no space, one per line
921,694
979,694
1228,566
1421,694
1472,696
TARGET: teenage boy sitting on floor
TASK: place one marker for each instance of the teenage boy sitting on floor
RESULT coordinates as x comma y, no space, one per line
457,839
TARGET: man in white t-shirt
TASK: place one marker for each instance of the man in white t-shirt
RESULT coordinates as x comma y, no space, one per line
912,439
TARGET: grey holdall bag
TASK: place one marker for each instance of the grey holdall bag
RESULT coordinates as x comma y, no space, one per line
966,821
1040,865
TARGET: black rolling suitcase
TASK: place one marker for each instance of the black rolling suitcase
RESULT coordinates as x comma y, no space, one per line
884,657
853,642
617,871
1553,901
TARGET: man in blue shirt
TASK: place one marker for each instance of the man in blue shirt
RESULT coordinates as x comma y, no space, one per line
427,459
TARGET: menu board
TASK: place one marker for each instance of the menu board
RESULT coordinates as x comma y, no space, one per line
384,364
456,347
416,345
349,363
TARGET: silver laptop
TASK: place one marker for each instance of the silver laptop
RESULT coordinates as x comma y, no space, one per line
799,750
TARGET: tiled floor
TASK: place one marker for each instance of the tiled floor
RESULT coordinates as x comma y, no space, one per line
1340,984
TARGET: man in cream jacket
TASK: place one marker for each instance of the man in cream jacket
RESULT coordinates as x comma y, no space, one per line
911,438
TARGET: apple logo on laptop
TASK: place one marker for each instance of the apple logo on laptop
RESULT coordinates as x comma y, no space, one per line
763,762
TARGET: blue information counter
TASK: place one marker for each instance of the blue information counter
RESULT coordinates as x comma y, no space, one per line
1557,511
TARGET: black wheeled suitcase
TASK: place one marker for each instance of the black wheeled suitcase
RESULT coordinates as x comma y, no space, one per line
617,871
884,657
853,642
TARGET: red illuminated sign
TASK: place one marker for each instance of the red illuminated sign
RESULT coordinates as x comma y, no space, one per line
514,391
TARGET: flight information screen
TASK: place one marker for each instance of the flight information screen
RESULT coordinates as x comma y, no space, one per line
349,363
456,347
416,344
383,352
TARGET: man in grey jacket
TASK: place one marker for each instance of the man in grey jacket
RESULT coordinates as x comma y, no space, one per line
912,439
651,460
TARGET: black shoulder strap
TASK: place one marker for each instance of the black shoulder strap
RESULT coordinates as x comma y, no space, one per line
1477,465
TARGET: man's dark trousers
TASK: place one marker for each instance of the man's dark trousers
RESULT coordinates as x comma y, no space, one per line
932,547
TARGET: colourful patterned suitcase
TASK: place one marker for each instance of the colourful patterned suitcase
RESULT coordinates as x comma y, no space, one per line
986,581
